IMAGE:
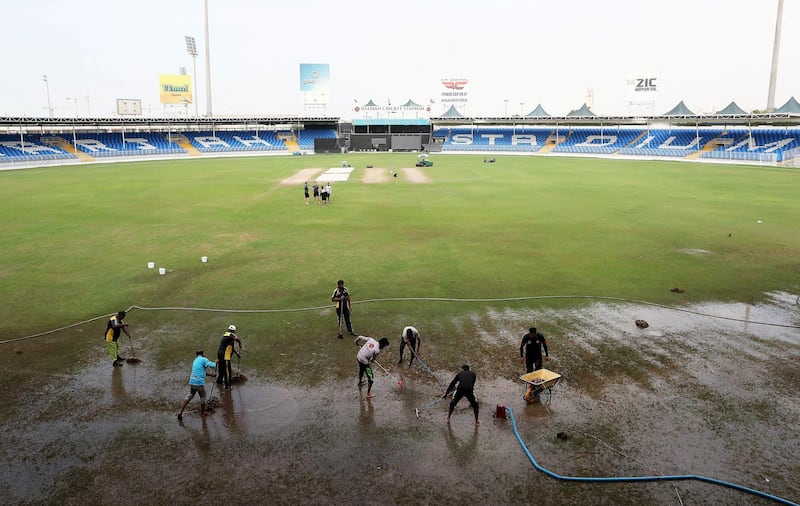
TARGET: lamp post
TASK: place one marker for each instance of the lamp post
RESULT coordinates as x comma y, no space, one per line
506,113
74,99
49,105
522,108
191,48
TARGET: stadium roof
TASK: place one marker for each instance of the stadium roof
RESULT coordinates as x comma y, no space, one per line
539,112
732,109
370,104
679,110
452,113
411,103
583,112
790,107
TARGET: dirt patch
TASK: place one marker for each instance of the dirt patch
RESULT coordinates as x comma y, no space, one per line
300,177
416,175
375,175
695,251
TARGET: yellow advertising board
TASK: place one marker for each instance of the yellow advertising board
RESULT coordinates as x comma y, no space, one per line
175,89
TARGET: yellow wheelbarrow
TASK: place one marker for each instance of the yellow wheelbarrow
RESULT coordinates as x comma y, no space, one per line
539,383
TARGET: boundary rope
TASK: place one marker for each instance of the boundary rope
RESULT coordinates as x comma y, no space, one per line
618,479
414,299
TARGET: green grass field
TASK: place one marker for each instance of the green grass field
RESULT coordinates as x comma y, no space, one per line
690,394
76,240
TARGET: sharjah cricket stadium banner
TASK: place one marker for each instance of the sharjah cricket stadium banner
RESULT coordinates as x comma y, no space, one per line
175,89
315,82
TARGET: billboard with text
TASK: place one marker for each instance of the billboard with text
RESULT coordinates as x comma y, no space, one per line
315,83
175,89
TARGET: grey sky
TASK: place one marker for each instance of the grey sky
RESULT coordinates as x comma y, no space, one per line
706,52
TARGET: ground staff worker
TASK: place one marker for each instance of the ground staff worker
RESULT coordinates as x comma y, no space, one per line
531,345
115,324
224,355
410,337
464,385
197,383
342,299
366,355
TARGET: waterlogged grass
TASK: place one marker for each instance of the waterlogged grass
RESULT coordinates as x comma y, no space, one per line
77,241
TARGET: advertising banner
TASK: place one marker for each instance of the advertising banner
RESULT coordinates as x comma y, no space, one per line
315,83
454,91
642,88
175,89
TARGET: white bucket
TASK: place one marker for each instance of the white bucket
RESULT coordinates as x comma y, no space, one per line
204,259
162,270
151,265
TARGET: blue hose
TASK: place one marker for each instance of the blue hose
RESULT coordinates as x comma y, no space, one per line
680,477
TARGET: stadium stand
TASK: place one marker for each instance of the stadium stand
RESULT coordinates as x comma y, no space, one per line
233,141
305,138
103,145
29,148
760,144
497,138
672,142
721,139
597,140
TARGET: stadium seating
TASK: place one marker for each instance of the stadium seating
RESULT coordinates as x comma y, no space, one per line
305,138
496,138
29,148
103,145
597,140
672,142
760,144
235,141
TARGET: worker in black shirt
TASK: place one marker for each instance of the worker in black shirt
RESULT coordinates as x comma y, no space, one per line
530,350
463,384
225,354
343,307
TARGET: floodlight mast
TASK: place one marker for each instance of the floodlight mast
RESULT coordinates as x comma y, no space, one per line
773,74
208,65
49,104
191,48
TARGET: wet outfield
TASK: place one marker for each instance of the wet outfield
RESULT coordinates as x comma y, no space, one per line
691,394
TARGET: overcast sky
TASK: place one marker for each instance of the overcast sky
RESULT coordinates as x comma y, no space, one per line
514,54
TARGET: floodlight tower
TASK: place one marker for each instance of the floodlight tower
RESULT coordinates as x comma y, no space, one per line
191,48
773,74
208,65
49,105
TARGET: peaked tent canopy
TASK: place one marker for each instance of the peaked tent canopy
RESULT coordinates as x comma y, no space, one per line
370,104
452,113
679,110
790,107
732,109
583,112
539,112
411,103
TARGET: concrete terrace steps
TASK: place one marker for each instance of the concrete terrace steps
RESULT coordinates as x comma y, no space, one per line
67,146
183,141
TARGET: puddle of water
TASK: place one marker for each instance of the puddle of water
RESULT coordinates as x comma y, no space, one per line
690,394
